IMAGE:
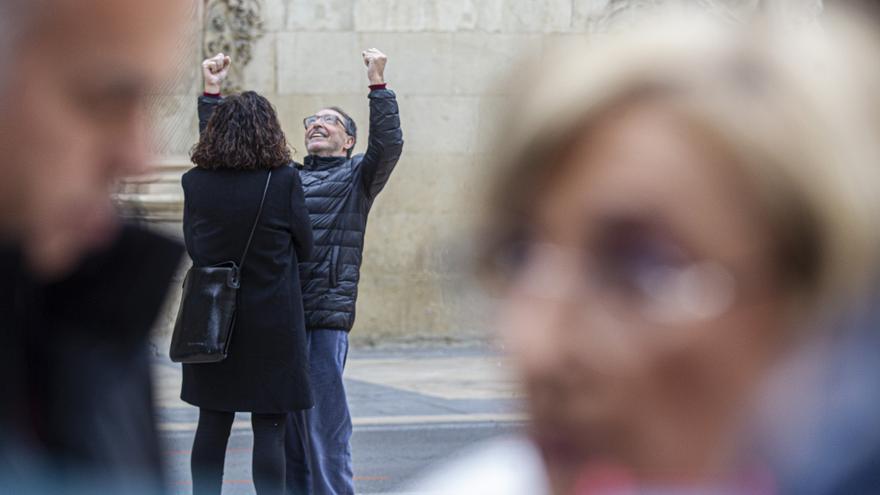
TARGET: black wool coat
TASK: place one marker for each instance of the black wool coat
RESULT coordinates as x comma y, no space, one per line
267,367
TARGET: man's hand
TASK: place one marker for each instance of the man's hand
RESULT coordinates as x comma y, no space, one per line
215,70
375,62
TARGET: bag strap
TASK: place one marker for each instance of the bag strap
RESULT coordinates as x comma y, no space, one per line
256,221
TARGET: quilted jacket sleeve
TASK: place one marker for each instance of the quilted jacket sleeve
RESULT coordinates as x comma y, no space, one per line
207,104
385,141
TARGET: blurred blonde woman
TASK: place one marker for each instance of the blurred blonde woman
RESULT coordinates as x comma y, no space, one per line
677,208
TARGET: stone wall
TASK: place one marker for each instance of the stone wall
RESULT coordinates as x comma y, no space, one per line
445,58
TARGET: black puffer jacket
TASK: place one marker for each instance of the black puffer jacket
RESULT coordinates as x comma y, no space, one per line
339,194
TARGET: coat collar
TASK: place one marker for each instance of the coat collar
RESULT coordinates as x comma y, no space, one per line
313,162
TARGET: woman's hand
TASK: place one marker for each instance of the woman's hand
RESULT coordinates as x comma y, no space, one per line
215,70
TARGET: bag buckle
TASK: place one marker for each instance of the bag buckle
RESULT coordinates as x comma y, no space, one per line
233,279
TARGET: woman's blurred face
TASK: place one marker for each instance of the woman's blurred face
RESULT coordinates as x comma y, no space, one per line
642,306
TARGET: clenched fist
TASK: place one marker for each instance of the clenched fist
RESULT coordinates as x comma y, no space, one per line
215,70
375,62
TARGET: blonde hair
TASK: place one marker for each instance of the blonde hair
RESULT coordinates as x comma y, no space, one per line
788,103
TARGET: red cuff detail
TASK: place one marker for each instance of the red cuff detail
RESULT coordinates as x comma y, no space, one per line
374,87
212,95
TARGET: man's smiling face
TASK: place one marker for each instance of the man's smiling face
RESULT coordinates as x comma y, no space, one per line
328,139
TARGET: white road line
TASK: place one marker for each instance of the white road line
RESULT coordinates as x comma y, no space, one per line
439,418
382,421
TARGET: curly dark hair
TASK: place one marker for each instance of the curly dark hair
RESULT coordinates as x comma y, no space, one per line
242,134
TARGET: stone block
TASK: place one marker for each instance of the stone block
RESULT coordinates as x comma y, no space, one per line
388,308
463,15
490,16
418,63
319,63
490,125
484,170
260,74
439,124
536,17
274,14
320,15
460,15
480,61
563,41
392,15
396,308
586,14
407,243
427,184
428,16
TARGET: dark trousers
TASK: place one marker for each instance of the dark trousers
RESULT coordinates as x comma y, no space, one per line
209,452
318,439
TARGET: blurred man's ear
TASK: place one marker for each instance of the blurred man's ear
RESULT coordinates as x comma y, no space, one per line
349,143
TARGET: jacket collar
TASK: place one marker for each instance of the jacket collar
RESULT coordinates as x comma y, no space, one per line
313,162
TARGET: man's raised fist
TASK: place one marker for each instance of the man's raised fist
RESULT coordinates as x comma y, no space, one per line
375,62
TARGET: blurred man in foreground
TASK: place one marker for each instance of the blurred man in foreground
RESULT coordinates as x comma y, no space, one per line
79,290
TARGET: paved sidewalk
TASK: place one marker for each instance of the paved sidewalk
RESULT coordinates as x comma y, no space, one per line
390,387
411,408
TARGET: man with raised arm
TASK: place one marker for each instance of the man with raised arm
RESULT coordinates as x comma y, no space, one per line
340,190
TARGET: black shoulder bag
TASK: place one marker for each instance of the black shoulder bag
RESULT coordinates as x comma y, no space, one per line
207,308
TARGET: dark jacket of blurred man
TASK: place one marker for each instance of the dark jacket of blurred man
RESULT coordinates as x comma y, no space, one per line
340,190
78,290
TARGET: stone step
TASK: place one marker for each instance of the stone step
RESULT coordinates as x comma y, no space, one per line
164,186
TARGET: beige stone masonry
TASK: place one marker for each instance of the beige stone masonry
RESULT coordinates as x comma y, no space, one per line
445,59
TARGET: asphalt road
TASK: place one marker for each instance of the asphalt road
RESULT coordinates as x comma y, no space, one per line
386,457
410,408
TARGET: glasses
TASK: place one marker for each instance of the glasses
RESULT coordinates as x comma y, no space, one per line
326,119
644,280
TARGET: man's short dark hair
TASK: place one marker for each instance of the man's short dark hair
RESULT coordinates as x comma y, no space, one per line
243,133
350,127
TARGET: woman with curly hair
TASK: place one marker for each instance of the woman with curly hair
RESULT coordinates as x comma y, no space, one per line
242,152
